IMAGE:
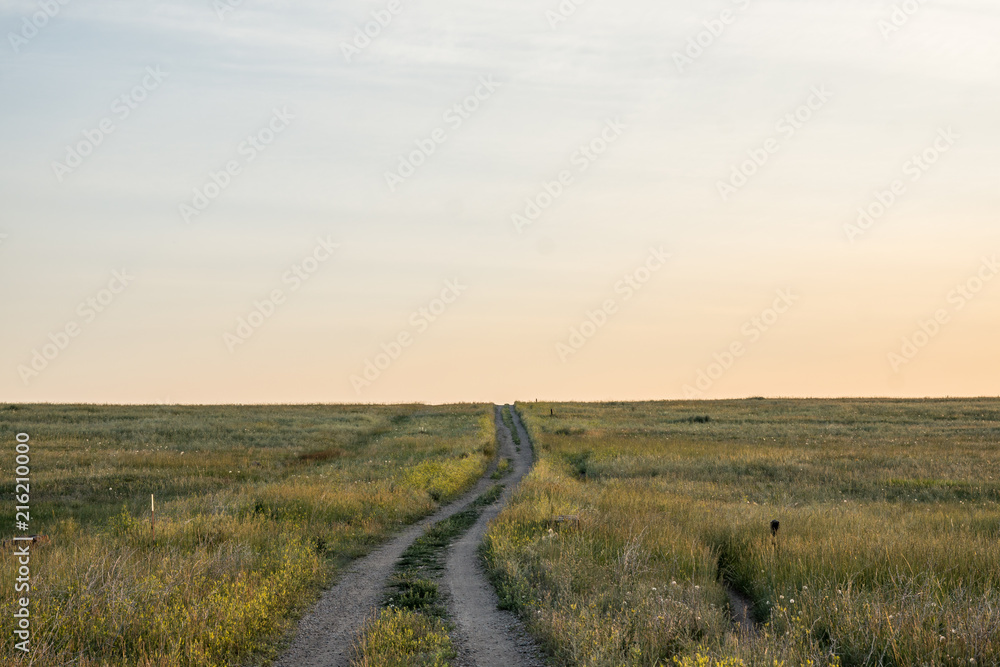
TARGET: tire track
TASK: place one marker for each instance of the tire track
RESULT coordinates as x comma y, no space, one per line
326,636
484,635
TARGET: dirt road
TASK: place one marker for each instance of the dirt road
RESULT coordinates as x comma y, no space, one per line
326,636
486,636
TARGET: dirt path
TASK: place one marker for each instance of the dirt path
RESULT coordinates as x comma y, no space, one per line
326,636
739,610
484,635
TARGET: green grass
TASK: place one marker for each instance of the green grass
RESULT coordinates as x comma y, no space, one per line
888,552
488,498
401,638
503,469
509,421
257,509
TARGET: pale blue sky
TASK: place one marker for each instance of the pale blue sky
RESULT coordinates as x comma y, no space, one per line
162,339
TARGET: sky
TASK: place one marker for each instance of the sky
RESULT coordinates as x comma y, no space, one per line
220,201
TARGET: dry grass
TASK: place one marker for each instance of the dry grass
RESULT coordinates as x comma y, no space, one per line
888,551
402,638
257,508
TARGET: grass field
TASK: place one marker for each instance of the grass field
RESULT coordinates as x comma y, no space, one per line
256,509
888,551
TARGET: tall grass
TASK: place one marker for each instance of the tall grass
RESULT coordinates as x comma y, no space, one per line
257,509
888,550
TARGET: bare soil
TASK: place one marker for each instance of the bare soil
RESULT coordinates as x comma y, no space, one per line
740,610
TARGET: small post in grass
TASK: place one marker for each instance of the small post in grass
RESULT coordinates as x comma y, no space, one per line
152,514
775,525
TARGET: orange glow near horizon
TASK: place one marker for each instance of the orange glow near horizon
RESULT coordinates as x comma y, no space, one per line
803,206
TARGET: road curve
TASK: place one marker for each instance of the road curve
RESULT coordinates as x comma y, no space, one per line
327,635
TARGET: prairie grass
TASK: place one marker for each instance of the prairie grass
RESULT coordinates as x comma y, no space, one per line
257,509
401,638
887,554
